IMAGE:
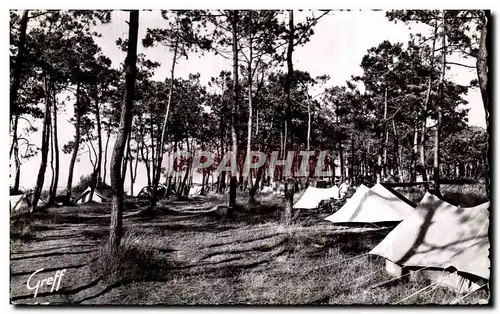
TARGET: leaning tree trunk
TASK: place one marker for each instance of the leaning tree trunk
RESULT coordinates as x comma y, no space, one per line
234,137
76,144
438,108
115,232
53,192
159,156
14,88
44,153
426,108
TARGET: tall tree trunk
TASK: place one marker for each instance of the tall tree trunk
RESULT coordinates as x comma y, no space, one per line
131,170
288,82
44,152
115,233
341,161
14,88
438,106
250,112
415,153
76,145
51,200
423,130
99,141
18,169
386,133
14,148
108,135
482,75
234,136
53,193
160,152
351,172
482,62
126,157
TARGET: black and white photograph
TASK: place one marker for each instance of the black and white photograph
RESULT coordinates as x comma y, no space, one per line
304,157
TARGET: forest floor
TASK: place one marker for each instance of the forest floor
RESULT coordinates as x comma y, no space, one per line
186,254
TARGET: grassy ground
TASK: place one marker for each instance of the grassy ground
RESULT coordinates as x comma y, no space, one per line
185,255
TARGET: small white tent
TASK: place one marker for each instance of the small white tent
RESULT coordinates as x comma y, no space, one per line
437,239
23,201
195,190
96,197
18,202
378,204
313,196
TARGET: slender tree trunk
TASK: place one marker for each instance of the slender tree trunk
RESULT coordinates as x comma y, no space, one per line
438,106
76,145
44,153
250,112
99,141
115,233
160,152
288,82
53,193
14,88
426,108
415,154
131,170
51,199
105,166
386,133
351,174
14,148
18,169
234,136
342,165
126,157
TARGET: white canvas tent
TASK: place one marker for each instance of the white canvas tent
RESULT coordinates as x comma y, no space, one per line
313,196
96,197
378,204
21,202
441,242
195,190
18,202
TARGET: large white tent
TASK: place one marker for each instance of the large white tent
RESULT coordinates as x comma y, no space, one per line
378,204
441,242
313,196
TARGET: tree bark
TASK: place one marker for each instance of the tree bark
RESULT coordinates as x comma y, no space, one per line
250,109
53,193
423,131
386,133
482,63
44,153
234,137
76,145
288,83
115,233
108,135
14,88
438,107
